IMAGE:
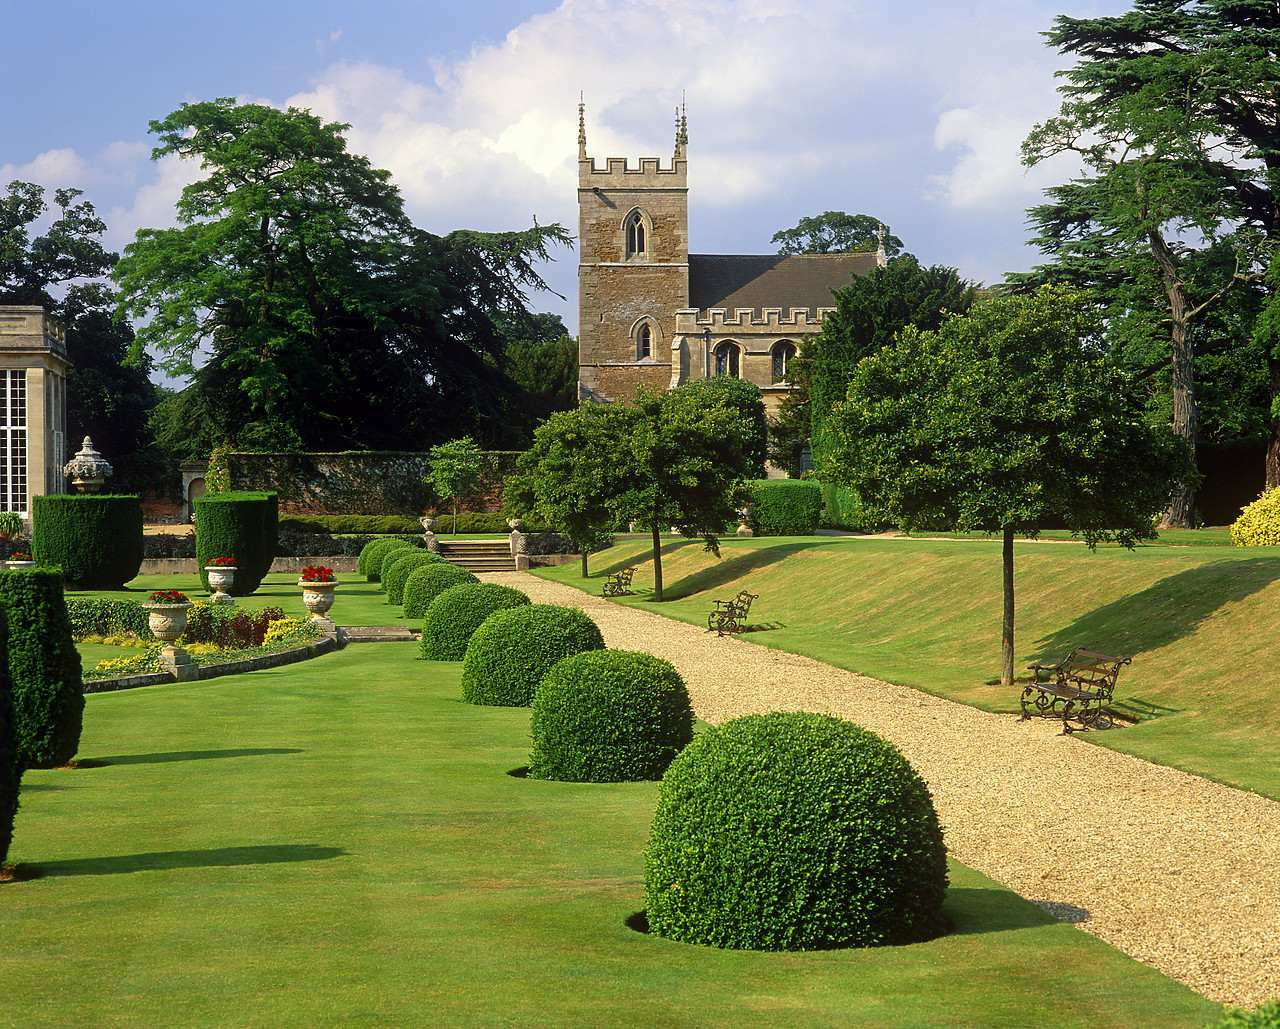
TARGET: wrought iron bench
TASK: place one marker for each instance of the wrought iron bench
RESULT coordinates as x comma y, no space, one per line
729,617
618,584
1077,689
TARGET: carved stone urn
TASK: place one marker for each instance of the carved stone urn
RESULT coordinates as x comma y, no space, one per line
167,621
220,579
317,597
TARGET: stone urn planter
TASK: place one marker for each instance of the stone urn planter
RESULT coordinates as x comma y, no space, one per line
16,566
428,522
167,621
318,587
220,579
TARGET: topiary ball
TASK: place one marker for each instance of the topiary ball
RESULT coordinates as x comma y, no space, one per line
608,716
457,613
513,649
399,565
428,582
374,553
794,831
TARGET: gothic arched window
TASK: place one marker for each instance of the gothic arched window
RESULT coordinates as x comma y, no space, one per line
644,343
635,231
783,352
726,355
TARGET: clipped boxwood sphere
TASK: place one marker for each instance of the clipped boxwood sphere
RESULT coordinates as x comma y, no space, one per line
398,565
608,716
794,831
428,582
458,612
375,552
96,539
513,649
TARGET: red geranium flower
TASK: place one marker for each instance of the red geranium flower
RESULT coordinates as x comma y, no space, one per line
317,573
167,597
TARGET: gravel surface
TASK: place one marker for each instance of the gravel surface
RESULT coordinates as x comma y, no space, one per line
1177,871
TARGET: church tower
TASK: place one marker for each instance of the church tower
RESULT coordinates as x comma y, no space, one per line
633,268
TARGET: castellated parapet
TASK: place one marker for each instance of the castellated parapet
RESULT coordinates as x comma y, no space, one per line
800,320
650,173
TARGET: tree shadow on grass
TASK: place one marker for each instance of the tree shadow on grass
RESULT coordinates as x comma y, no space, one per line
182,755
216,857
726,570
1165,612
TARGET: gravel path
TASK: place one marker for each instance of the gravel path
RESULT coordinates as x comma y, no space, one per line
1177,871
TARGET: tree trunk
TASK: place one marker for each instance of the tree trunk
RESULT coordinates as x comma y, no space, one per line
455,519
657,563
1273,444
1006,635
584,562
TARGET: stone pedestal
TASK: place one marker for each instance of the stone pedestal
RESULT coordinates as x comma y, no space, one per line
177,662
432,542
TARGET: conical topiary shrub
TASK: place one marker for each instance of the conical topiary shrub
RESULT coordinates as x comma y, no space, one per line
44,668
96,539
239,525
513,649
794,831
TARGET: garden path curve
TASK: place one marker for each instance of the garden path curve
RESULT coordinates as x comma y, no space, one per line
1177,871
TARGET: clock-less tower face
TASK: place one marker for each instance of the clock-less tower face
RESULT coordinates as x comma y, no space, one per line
633,271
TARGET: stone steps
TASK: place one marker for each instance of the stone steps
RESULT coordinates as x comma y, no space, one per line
479,555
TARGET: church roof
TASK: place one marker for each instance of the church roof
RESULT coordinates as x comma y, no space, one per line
770,280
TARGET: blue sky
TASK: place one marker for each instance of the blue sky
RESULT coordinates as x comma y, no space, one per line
908,111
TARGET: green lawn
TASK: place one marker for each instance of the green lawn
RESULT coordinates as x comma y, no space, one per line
340,843
1199,621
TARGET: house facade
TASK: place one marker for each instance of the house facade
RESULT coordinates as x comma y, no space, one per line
33,406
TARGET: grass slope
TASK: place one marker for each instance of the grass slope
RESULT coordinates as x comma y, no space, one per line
339,843
1199,622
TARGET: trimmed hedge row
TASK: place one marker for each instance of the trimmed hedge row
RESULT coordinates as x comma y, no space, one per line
428,581
608,716
794,831
96,539
90,616
513,649
785,507
11,766
239,525
841,508
455,615
43,666
470,522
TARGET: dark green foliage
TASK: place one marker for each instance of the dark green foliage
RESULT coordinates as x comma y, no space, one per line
91,616
375,553
428,582
96,539
231,628
513,649
841,508
44,667
1264,1016
398,565
794,831
785,507
11,766
745,398
372,525
458,612
239,525
834,232
609,716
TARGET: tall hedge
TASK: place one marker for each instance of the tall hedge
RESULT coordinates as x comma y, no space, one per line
239,525
96,539
43,666
785,507
10,759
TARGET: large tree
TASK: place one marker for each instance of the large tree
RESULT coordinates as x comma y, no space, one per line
297,292
68,256
1172,108
869,311
834,232
1000,421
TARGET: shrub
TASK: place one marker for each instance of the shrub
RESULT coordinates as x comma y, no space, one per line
399,565
372,556
841,508
513,649
96,539
1264,1016
226,627
608,716
91,616
11,765
458,612
785,507
313,544
1259,523
239,525
428,581
794,831
44,667
166,544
